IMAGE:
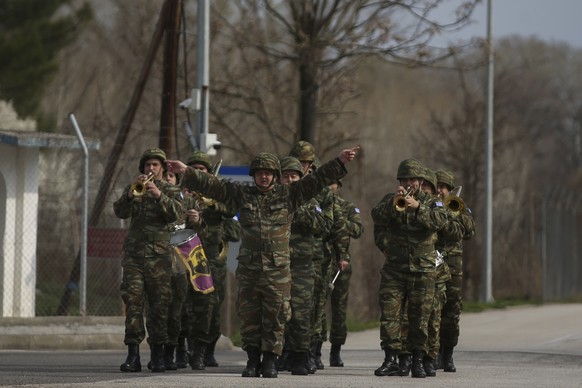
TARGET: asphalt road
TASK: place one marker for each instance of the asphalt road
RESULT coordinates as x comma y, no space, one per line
518,347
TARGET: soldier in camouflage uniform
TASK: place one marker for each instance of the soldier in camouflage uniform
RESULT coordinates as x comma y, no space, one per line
442,276
339,295
406,236
179,283
452,249
330,249
263,270
147,264
308,221
204,309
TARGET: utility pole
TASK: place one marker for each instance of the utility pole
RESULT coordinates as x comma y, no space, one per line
168,113
486,283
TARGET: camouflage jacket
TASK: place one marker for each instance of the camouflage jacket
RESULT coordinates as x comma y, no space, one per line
213,215
308,221
408,238
337,241
354,224
451,246
151,219
265,217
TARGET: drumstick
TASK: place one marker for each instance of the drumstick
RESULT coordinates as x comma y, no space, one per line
331,285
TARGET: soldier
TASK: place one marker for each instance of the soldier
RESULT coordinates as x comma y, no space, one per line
339,295
331,250
308,220
152,204
452,249
179,284
204,308
442,276
263,269
405,226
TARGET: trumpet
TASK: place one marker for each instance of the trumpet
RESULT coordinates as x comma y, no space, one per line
454,202
399,201
138,188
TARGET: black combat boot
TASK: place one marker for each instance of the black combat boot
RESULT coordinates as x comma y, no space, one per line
268,365
317,355
157,359
132,363
253,368
209,359
404,363
389,367
311,367
334,355
448,364
169,358
428,363
417,367
284,361
181,355
299,364
197,358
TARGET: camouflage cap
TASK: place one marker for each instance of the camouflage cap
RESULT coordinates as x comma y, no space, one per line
430,177
410,168
200,157
152,153
446,177
303,150
290,163
265,161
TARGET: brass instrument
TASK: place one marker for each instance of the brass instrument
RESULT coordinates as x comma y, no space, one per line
138,188
454,202
399,201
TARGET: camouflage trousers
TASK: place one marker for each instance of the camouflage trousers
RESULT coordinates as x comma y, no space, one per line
179,284
320,295
398,290
298,329
146,280
204,309
339,306
434,322
451,312
263,307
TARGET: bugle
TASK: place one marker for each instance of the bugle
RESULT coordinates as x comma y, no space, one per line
454,202
138,188
399,201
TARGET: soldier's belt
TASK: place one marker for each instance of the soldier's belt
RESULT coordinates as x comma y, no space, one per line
265,246
413,251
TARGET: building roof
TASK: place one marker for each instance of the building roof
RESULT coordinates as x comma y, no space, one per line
44,140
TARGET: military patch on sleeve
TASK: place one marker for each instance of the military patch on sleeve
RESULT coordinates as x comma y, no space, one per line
318,209
357,210
439,203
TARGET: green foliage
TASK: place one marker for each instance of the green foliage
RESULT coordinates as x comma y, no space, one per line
358,325
31,37
236,339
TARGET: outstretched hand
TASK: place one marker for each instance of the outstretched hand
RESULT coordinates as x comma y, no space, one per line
176,166
348,154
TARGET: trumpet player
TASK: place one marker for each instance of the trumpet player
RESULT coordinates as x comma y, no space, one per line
147,263
452,249
405,233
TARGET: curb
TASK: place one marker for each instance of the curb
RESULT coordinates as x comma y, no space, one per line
70,333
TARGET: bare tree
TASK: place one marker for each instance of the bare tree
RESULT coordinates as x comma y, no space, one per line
315,47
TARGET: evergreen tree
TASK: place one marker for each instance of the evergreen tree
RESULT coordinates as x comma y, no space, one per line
32,32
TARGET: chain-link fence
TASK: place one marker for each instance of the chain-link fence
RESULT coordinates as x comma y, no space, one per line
560,244
42,277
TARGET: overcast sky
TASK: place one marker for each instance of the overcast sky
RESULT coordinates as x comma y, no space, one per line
550,20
